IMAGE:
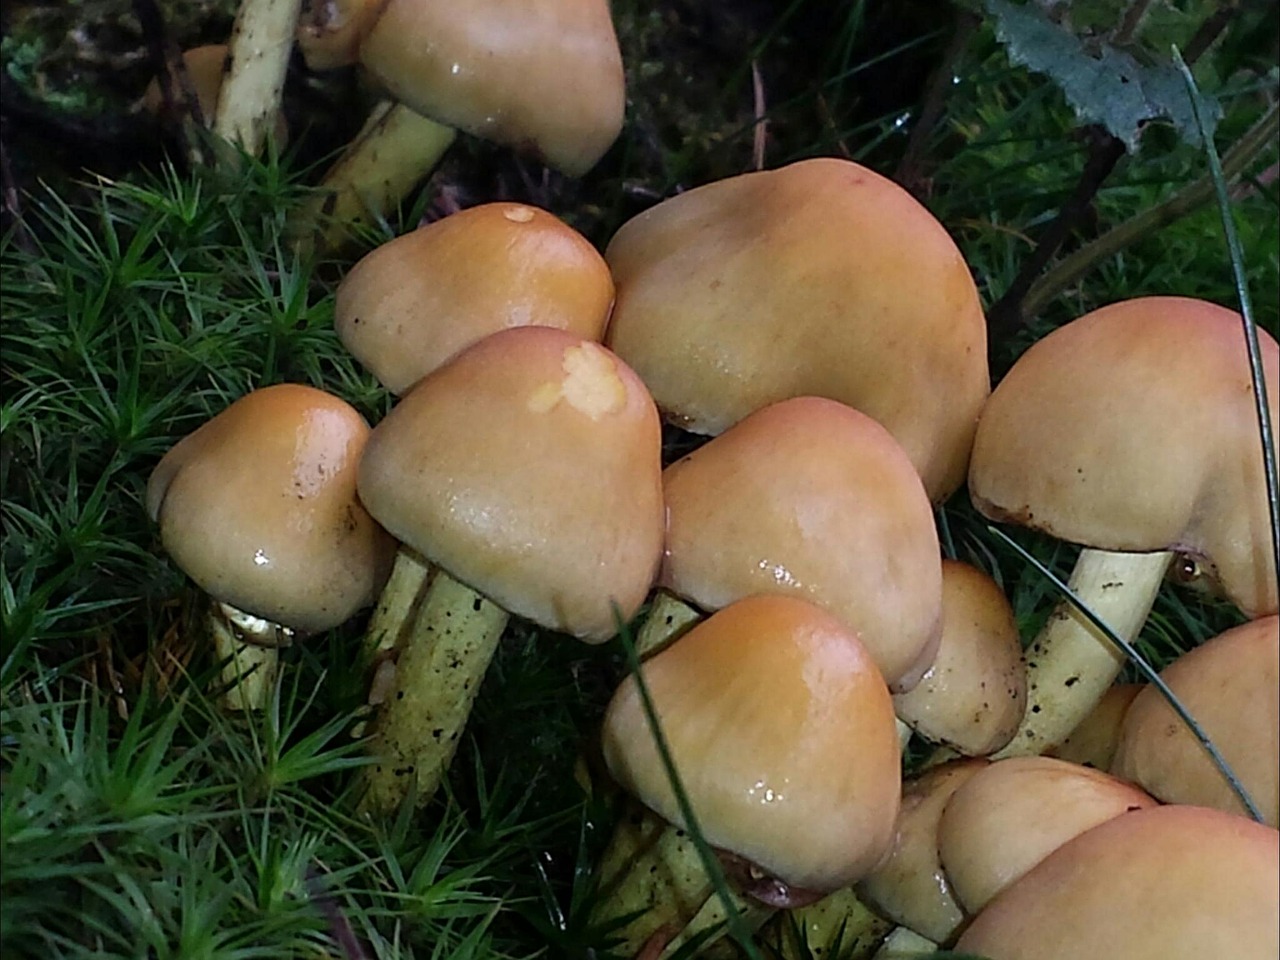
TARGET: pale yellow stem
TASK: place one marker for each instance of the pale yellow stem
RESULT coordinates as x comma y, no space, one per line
1071,663
669,617
905,944
438,671
258,57
247,647
397,605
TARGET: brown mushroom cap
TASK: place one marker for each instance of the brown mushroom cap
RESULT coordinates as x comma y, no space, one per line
330,31
1009,816
1231,685
411,304
811,498
783,733
1133,429
1165,883
545,76
973,694
910,887
259,507
805,281
529,467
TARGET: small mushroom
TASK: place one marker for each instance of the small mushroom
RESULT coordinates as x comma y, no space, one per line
527,470
783,732
1161,883
258,506
1131,431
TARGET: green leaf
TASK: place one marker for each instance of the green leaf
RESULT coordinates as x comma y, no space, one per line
1103,84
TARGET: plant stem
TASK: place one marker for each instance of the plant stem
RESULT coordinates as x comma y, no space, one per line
258,57
1071,663
438,672
1194,195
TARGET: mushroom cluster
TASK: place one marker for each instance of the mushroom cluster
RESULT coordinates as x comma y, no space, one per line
804,625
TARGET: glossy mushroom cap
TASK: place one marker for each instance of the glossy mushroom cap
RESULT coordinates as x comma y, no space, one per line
973,694
1133,429
1231,685
205,67
529,467
910,887
1165,883
1015,812
821,278
811,498
783,733
330,31
411,304
259,507
544,76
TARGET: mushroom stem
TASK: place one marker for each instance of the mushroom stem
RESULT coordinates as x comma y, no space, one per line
246,646
838,925
438,671
249,103
398,604
1071,664
393,152
668,618
905,944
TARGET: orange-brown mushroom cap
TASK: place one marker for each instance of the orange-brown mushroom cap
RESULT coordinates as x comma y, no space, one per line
1134,429
259,507
529,467
811,498
821,278
411,304
1231,685
783,732
1164,883
544,75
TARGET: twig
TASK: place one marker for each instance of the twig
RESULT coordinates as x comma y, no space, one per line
1191,197
181,105
910,167
761,133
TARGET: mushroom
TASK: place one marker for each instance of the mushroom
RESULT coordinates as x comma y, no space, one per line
1131,430
972,697
413,303
1231,685
527,469
809,497
1010,815
257,60
805,281
910,887
1162,883
258,506
545,77
783,733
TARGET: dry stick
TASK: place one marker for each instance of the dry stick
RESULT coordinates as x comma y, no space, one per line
910,167
1072,268
179,94
1010,312
258,57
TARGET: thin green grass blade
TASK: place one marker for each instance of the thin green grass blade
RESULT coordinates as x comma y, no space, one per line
1147,671
709,862
1265,426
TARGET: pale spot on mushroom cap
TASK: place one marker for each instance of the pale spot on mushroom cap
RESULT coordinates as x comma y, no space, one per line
591,384
518,214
